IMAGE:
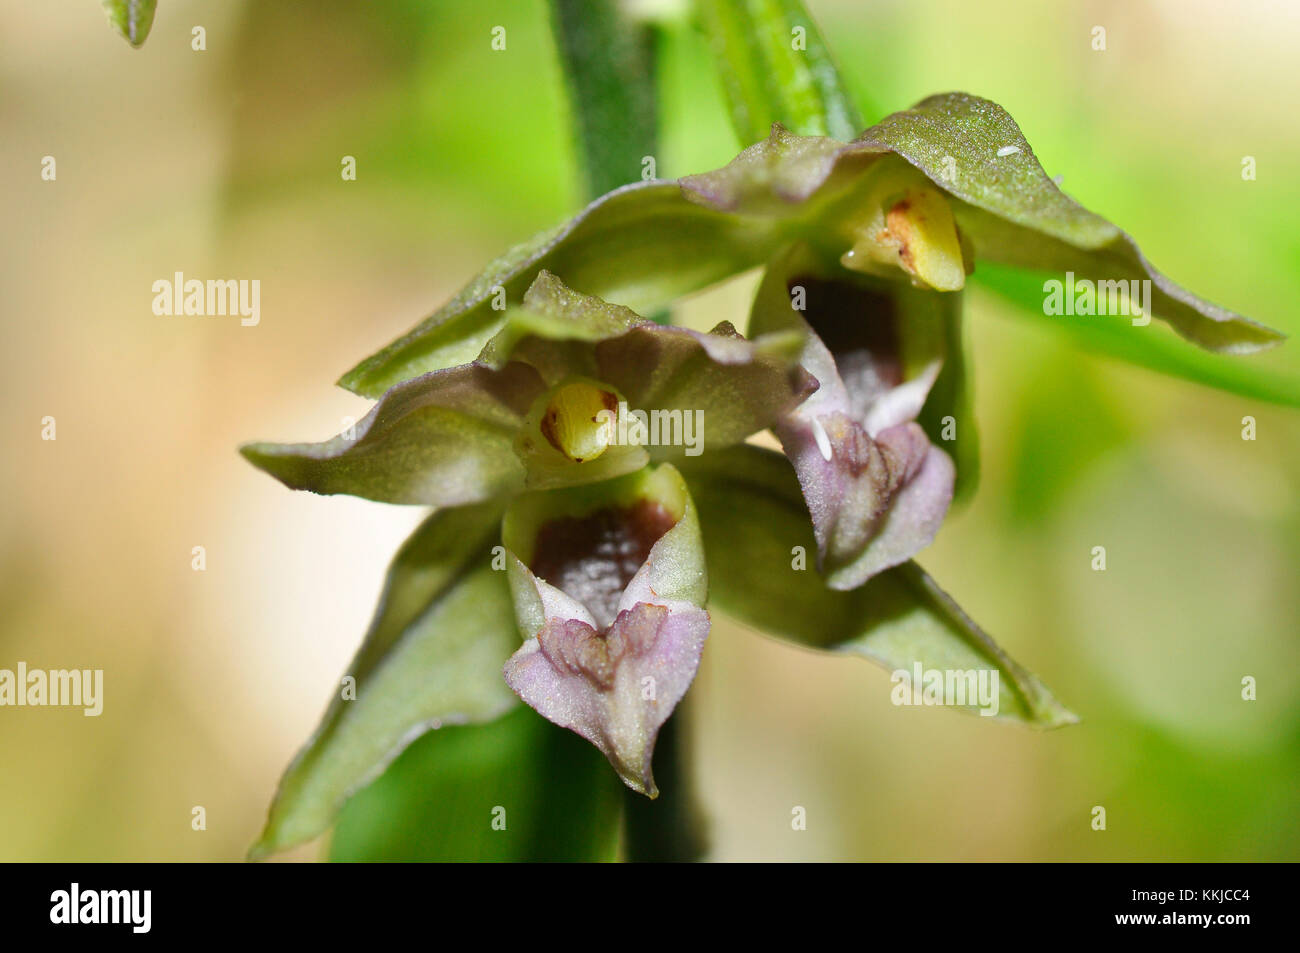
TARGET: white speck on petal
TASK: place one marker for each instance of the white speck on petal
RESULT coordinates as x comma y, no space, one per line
1008,151
823,441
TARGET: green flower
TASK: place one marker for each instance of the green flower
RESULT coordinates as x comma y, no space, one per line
527,414
647,244
506,405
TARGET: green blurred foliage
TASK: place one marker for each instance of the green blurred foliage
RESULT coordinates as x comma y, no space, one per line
518,789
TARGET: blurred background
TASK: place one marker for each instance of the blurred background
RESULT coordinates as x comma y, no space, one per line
226,163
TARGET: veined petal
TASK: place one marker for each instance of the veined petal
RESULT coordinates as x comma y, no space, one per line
608,583
616,688
707,390
913,516
876,489
874,502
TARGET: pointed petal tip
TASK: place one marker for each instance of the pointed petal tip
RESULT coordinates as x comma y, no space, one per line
1054,716
276,461
253,451
644,786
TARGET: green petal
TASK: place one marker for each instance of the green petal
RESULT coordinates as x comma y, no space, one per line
1014,214
734,387
1007,208
131,18
640,246
755,525
515,789
552,313
731,386
433,657
443,439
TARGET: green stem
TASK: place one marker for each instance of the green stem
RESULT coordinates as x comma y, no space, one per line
776,68
609,68
669,828
608,61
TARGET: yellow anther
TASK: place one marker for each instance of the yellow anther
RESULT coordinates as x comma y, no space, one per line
909,227
580,420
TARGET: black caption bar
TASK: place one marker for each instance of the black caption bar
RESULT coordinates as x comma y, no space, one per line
137,903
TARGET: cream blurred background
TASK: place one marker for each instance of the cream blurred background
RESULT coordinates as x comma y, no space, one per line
225,164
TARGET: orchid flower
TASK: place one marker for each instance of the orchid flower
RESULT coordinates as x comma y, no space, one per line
612,608
527,414
496,410
915,202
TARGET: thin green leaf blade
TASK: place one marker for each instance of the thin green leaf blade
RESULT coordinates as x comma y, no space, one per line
1148,347
776,68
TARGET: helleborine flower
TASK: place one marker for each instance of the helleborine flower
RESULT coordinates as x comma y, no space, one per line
499,403
609,585
924,196
538,409
950,178
875,486
913,204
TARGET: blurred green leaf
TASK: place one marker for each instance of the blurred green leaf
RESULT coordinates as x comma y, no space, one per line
775,68
755,525
1046,466
554,792
609,65
1116,337
131,18
433,657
